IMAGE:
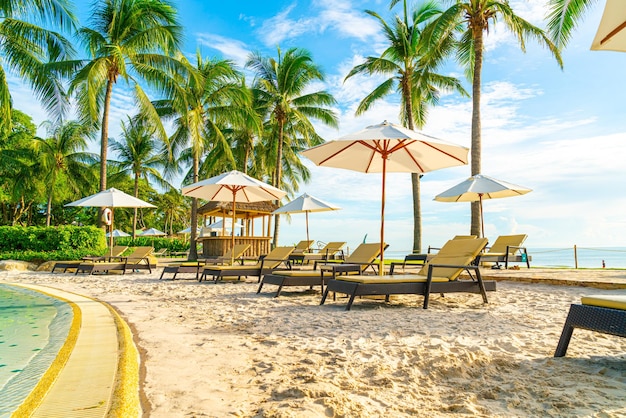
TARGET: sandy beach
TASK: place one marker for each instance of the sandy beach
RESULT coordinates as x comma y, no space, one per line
220,350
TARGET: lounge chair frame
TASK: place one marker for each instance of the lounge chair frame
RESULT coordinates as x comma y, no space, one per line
258,269
311,278
592,318
353,289
130,262
191,267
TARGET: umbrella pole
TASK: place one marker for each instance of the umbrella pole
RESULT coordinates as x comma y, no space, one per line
382,221
111,235
232,233
482,219
307,225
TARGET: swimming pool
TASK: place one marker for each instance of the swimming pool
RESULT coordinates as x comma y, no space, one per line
33,327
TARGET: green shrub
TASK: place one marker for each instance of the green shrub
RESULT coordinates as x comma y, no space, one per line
50,243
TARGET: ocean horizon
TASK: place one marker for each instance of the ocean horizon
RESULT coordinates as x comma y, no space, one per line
588,257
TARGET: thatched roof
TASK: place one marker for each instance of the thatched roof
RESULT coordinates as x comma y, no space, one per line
243,210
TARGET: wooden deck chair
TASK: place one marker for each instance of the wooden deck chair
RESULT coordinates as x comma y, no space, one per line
271,261
139,259
507,249
362,258
235,253
438,275
600,313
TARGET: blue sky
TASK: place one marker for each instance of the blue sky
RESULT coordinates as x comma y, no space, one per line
558,132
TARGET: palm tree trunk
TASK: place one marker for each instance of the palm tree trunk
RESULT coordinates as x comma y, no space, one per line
193,249
135,209
279,175
476,127
49,208
415,177
104,145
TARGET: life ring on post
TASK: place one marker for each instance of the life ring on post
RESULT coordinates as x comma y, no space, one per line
107,216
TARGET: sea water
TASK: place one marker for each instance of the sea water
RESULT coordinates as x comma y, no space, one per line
33,327
587,257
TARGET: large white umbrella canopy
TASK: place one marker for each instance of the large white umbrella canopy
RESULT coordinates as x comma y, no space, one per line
387,148
233,186
111,198
304,204
478,188
611,34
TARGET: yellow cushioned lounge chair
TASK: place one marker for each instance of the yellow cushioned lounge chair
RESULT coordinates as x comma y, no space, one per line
362,258
325,253
271,261
438,275
507,249
235,253
139,259
116,251
601,313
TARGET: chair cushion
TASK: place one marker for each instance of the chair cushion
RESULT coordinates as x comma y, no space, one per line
297,273
407,278
605,301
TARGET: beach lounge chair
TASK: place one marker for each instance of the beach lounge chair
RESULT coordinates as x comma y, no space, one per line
235,253
299,249
432,250
362,258
116,251
139,259
507,249
328,252
438,275
601,313
161,253
267,263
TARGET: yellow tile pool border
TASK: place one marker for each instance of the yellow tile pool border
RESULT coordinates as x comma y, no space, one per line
124,400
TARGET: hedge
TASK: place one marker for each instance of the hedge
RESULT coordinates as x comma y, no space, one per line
35,243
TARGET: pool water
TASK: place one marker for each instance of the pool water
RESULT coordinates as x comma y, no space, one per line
33,327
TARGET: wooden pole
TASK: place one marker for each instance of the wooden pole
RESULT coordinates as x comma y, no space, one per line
575,257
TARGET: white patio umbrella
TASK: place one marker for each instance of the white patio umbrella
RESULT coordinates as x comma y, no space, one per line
223,224
117,233
111,198
304,204
387,148
233,186
187,231
478,188
611,34
152,232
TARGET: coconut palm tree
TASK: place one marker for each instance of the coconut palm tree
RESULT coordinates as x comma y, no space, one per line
201,107
475,16
27,48
62,154
140,155
282,85
564,17
410,66
130,39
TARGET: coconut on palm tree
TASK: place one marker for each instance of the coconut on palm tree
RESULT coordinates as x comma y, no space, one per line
409,66
474,18
281,86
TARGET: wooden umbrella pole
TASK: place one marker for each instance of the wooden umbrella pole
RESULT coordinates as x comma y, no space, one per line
111,236
482,218
232,232
382,220
306,213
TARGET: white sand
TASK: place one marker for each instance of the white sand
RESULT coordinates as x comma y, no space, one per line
218,350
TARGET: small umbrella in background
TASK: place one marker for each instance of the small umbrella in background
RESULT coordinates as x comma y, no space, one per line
305,204
152,232
478,188
233,186
386,148
111,198
611,34
223,225
117,233
187,231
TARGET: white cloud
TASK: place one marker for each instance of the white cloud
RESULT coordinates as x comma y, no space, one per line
232,49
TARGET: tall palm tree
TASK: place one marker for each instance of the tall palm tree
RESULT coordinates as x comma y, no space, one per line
130,39
410,65
281,84
201,107
563,18
62,153
140,156
475,16
26,48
